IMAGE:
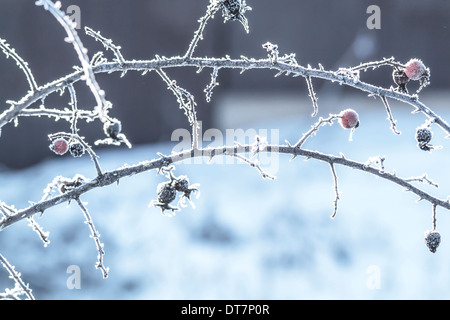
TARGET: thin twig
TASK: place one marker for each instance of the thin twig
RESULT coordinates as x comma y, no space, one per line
423,179
336,190
72,37
312,95
316,127
10,52
38,229
107,43
210,87
186,103
434,216
390,117
74,104
376,64
253,164
213,7
17,277
96,236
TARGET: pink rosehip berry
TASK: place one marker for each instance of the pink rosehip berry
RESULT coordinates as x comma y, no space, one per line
415,69
59,146
349,119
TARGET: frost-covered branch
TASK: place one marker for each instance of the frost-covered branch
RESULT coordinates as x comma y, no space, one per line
10,52
107,43
336,190
284,64
17,277
72,37
110,177
96,236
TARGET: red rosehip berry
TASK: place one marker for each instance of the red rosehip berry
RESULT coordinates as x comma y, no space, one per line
415,69
59,146
349,119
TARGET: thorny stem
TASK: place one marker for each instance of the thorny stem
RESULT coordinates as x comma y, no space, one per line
96,236
316,127
312,95
390,117
336,190
72,37
74,104
21,63
282,65
107,43
111,177
16,276
188,106
376,64
213,7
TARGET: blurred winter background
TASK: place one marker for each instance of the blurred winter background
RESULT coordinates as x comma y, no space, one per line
247,238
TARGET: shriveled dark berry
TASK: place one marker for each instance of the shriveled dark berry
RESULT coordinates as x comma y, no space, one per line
432,240
233,7
112,129
423,135
401,79
76,149
166,193
181,184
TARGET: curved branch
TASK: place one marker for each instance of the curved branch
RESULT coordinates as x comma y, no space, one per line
283,64
111,177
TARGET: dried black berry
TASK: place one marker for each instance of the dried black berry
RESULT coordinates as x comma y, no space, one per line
76,149
233,7
401,79
432,240
112,129
181,184
166,193
423,135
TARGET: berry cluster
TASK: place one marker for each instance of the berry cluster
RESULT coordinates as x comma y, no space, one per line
414,69
60,146
167,191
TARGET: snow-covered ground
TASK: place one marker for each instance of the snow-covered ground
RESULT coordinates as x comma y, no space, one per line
248,238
